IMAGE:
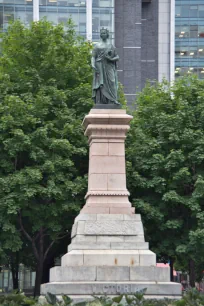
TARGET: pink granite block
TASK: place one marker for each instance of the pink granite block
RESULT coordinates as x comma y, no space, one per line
98,182
117,182
127,204
117,149
100,148
121,210
95,210
107,199
107,164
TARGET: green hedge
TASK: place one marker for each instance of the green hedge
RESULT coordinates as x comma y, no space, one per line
191,298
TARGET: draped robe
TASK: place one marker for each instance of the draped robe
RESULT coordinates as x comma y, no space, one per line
105,82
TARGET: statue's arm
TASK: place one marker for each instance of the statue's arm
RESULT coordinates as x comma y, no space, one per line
93,62
115,57
93,59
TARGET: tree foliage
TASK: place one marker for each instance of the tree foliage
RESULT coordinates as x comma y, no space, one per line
165,167
45,92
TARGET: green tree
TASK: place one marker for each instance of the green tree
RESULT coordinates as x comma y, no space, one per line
45,92
165,168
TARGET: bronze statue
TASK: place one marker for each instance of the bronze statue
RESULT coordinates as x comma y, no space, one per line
105,81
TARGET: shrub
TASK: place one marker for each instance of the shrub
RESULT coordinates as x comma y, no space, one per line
191,298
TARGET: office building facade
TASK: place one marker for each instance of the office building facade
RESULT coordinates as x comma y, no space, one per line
142,30
189,38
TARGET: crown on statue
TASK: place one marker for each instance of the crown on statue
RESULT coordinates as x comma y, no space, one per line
104,30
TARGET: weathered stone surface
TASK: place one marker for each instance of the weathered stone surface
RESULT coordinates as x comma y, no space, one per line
147,258
85,217
109,273
80,227
73,258
142,273
105,245
137,238
136,217
111,258
112,227
89,246
95,210
74,230
100,239
113,274
122,210
64,274
84,239
101,217
112,288
130,246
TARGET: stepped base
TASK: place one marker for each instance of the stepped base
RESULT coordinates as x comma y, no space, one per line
109,273
108,255
79,289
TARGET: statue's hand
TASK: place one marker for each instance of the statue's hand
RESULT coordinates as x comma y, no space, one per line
94,68
112,59
109,58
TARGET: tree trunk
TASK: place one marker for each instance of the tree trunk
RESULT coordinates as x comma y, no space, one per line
15,269
171,269
40,264
192,272
38,279
48,264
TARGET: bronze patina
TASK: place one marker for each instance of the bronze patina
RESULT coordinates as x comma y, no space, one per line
105,81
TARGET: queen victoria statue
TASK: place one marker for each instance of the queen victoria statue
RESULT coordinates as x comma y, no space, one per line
105,81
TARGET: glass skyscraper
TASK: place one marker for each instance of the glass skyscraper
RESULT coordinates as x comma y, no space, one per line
189,37
89,16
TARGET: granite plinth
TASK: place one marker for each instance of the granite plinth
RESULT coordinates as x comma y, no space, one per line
107,192
107,106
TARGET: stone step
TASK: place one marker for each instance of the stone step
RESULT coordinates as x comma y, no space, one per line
109,245
99,239
110,273
109,258
111,288
99,217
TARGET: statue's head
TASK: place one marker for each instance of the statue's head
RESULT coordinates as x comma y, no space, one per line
104,33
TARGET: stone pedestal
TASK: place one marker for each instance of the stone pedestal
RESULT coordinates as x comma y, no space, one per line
108,253
107,192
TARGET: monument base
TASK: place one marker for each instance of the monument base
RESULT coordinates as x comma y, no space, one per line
108,256
108,253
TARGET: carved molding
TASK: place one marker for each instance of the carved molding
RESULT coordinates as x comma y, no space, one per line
95,128
107,119
107,193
